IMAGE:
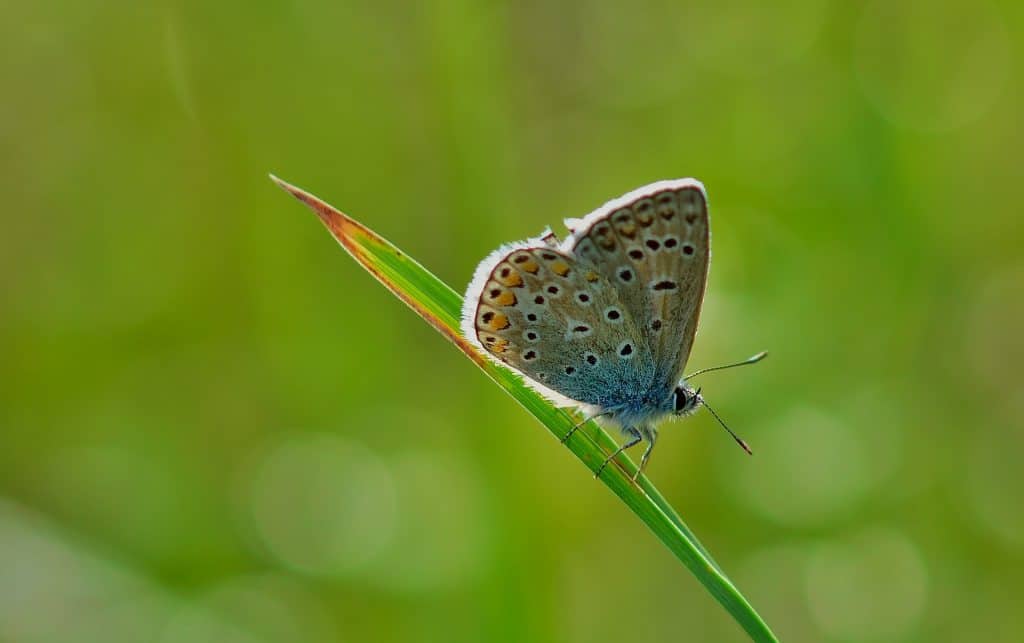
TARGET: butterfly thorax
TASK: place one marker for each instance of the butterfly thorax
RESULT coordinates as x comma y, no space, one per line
653,406
644,408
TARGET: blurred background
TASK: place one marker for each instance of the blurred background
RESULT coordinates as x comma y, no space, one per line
214,426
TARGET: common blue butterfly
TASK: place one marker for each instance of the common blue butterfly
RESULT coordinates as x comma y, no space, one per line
604,321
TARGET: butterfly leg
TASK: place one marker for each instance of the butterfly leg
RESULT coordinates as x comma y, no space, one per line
576,427
634,438
651,436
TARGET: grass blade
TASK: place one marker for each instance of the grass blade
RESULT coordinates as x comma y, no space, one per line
440,306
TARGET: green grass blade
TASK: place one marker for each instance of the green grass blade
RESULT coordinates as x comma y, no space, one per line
440,306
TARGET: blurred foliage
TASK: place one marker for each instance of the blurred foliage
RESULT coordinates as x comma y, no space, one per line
216,428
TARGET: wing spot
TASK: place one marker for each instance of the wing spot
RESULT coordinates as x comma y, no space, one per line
583,298
644,216
626,275
671,242
625,350
666,205
521,259
624,223
581,329
530,355
539,300
656,325
687,249
665,285
506,298
653,245
547,256
531,336
592,276
509,277
560,268
604,237
591,359
553,290
636,254
613,314
531,317
691,200
495,321
569,370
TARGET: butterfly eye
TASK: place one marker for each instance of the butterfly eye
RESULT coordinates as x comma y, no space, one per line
681,400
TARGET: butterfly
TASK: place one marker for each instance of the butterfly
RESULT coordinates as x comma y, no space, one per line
604,320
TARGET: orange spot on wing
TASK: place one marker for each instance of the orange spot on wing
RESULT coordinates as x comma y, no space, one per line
507,276
604,237
499,322
643,214
506,298
530,266
560,268
627,229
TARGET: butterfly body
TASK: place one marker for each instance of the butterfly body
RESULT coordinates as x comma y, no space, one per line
605,320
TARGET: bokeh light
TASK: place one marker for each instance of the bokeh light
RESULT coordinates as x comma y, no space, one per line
871,585
322,504
441,536
820,469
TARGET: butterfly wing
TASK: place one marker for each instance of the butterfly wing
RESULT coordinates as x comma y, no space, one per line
653,245
562,324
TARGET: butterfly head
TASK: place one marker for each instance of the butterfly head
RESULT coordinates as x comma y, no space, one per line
685,399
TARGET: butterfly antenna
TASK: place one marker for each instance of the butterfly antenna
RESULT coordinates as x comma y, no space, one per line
739,440
750,360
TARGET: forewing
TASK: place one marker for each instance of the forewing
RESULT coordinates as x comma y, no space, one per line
561,324
653,244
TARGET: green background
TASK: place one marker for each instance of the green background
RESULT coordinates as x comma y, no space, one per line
215,427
